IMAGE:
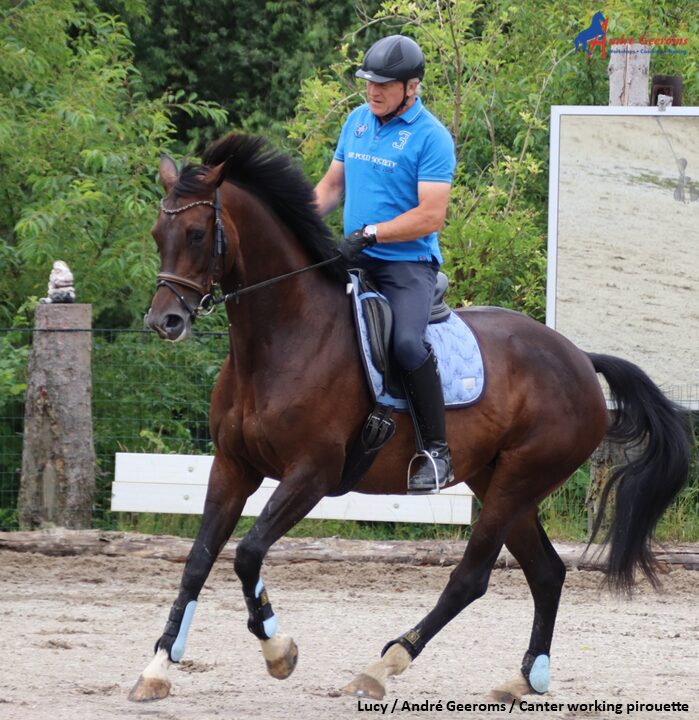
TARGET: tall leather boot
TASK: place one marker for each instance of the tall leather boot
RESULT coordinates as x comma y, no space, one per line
424,392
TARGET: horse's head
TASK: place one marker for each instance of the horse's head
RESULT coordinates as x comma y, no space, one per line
599,22
190,236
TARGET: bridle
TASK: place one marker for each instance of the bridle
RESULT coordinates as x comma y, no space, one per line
218,253
209,301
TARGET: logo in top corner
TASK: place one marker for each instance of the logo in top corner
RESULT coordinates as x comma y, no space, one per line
593,35
360,129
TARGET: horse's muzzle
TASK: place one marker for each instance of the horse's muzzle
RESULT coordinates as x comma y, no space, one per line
172,326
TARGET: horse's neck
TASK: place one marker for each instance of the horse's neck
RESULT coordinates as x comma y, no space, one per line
294,314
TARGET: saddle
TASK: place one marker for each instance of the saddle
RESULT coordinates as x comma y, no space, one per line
379,325
380,427
455,347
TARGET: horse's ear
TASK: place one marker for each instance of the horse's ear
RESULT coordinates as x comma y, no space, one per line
168,172
218,173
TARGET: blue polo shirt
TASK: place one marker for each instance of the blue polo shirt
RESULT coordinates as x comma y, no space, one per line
383,165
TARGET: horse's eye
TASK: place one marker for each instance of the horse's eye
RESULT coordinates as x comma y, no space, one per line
195,237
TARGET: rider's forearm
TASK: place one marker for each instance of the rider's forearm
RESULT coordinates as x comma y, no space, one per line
411,225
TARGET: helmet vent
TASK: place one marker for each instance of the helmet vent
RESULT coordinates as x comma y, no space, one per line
395,55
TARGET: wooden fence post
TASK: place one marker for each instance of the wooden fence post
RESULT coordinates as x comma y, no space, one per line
628,85
58,458
628,75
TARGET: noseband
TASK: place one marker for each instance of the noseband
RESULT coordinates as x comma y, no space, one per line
209,301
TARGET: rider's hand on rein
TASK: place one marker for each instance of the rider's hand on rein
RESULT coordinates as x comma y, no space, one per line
351,247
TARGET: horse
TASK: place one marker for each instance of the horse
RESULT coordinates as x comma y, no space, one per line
596,31
241,230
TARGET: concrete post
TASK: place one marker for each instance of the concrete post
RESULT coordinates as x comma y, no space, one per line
58,458
628,75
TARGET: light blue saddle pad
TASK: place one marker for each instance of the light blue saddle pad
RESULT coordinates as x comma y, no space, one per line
457,352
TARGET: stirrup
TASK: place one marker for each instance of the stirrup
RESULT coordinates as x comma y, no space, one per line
427,491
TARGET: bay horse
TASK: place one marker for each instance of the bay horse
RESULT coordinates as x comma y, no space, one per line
292,397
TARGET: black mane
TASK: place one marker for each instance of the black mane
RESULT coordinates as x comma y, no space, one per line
271,176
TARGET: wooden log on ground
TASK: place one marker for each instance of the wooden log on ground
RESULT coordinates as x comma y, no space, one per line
62,542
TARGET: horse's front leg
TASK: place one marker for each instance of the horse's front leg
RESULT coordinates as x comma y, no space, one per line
230,485
292,500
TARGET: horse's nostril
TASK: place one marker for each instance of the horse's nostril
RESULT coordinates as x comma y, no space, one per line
173,324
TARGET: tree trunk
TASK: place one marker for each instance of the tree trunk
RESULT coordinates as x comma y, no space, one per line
58,458
604,460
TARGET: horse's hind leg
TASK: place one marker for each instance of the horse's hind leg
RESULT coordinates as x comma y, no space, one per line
545,573
507,498
229,487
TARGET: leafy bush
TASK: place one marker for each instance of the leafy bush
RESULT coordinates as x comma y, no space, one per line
79,145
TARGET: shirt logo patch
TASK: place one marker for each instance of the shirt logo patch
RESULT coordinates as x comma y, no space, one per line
360,130
404,135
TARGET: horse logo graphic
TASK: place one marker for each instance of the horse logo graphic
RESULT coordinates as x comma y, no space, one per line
360,130
595,34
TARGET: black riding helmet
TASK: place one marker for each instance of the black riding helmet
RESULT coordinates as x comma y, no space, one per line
395,57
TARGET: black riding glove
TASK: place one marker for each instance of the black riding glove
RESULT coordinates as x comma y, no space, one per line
351,247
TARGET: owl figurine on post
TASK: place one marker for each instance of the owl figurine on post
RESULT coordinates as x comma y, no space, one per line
61,288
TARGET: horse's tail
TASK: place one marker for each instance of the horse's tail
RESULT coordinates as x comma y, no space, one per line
655,473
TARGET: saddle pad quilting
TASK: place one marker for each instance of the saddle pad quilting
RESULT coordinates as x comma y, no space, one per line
457,352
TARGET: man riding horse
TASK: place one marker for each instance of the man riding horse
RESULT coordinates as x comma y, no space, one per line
394,163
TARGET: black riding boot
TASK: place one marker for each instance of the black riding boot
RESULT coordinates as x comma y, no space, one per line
424,392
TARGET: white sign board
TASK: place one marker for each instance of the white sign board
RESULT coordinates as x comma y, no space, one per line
623,240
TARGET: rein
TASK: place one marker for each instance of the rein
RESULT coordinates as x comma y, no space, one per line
209,301
236,294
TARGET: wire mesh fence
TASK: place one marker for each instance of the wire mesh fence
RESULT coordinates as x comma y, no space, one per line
152,396
147,396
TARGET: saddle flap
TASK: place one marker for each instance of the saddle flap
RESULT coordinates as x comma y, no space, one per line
379,324
378,318
453,342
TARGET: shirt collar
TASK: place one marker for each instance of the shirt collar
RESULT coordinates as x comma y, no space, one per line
411,114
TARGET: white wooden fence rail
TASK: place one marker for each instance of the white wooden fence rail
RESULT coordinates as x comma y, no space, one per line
145,482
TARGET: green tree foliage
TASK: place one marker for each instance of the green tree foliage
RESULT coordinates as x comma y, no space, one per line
493,71
249,57
79,145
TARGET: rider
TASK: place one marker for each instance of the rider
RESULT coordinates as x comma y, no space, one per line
394,164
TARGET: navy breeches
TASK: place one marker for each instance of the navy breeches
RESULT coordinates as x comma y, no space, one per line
409,289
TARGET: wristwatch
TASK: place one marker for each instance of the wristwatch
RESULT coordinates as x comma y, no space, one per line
369,231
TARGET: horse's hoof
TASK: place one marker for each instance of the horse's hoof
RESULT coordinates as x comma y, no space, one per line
282,663
147,689
365,686
511,691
